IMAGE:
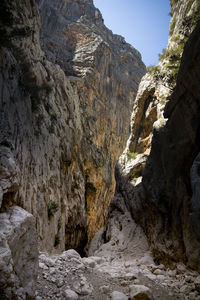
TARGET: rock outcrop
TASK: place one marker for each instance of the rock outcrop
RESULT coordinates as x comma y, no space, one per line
154,171
18,254
64,115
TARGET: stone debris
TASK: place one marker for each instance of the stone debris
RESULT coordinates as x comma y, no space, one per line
120,267
103,278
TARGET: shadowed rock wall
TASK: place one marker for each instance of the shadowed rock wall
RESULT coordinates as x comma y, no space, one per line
154,175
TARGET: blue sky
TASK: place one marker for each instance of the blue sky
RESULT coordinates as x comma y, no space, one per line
143,23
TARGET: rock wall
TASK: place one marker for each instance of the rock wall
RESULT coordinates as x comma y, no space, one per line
64,115
105,71
154,171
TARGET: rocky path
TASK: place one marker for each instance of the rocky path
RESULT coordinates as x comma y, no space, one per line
120,269
68,276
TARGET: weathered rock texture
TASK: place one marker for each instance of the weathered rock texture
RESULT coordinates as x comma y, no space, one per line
105,71
164,142
61,135
18,254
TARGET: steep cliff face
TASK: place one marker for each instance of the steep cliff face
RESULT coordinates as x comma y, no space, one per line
164,141
105,71
64,115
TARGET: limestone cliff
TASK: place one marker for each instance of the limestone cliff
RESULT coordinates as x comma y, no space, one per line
164,141
64,115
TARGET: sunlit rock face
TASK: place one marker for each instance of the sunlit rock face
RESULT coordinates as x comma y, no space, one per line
64,115
104,72
155,168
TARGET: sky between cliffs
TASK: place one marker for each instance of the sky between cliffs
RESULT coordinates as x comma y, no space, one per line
143,23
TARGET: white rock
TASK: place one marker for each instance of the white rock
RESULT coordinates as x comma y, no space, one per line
43,266
98,259
86,290
161,267
18,251
70,295
130,276
118,296
71,253
161,277
181,268
171,273
89,262
52,271
158,272
126,264
184,289
139,291
104,289
151,276
48,261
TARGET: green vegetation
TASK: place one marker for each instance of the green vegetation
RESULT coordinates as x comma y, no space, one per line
131,155
176,38
151,69
174,54
172,26
52,208
189,5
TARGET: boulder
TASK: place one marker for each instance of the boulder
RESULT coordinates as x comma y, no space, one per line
139,292
18,254
118,296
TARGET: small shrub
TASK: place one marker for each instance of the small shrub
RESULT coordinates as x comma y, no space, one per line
52,209
189,5
151,69
131,155
176,38
172,26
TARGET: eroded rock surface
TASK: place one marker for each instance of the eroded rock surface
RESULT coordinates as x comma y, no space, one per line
18,254
120,266
105,71
154,171
61,135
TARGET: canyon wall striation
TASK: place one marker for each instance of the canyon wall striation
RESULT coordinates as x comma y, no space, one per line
158,171
65,113
64,120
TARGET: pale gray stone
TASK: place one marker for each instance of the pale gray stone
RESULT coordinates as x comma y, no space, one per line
70,295
118,296
18,252
89,262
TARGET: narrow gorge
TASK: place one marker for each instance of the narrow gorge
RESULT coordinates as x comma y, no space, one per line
99,156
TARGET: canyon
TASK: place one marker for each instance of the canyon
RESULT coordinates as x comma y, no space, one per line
97,157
